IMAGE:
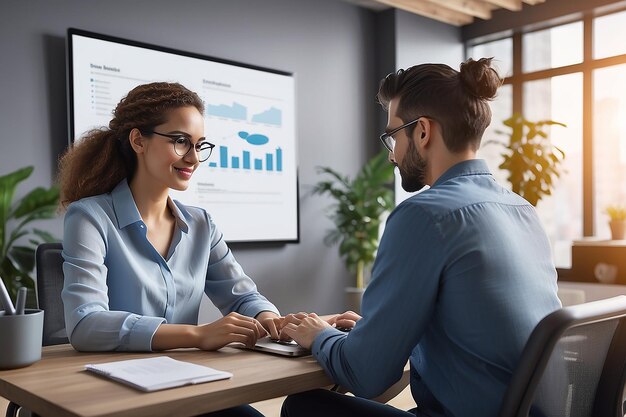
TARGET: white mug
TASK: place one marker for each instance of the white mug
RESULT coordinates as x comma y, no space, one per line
605,273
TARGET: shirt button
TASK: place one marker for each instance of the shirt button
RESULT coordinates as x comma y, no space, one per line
141,226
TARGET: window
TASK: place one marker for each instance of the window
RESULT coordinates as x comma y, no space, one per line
561,81
501,51
554,47
609,143
501,107
492,145
609,33
560,99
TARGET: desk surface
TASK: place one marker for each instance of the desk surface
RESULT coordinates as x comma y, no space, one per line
58,385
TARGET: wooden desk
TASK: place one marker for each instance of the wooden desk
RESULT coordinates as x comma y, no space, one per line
58,385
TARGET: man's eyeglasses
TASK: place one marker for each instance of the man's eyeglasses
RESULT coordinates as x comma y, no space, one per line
387,138
182,144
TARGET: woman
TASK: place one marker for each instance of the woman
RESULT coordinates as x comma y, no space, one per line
137,262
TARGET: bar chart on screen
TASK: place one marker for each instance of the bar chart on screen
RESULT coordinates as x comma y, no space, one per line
269,162
252,165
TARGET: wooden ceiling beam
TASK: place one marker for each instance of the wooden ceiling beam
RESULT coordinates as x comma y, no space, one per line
431,10
513,5
471,7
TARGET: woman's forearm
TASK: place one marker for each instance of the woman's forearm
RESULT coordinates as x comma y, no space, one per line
212,336
172,336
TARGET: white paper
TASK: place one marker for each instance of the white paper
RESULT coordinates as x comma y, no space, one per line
156,373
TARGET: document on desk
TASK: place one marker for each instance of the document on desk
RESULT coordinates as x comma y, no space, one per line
157,373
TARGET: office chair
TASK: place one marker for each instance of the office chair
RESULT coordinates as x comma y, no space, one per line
49,286
573,364
49,264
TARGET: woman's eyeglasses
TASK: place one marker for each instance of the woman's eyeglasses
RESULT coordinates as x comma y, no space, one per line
182,144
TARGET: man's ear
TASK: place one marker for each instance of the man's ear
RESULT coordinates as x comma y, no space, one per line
422,132
136,140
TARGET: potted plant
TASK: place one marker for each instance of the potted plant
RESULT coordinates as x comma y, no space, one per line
531,159
617,222
18,242
357,213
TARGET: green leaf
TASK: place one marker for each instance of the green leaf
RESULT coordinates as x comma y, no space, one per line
8,184
14,277
23,257
45,236
17,262
45,212
510,121
16,234
529,157
359,203
343,180
38,198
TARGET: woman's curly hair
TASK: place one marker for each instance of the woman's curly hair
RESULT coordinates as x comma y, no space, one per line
103,157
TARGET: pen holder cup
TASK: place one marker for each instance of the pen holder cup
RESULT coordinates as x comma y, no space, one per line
20,338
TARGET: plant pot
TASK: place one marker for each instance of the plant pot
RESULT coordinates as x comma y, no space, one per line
618,229
353,299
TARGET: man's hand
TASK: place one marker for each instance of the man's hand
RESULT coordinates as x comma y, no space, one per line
345,320
303,330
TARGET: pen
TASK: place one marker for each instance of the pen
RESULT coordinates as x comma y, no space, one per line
20,303
5,300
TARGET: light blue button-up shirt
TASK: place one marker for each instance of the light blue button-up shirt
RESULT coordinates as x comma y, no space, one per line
118,289
463,275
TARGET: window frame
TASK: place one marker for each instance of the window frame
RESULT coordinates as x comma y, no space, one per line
586,67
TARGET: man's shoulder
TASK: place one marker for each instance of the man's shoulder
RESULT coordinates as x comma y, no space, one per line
453,196
421,208
434,201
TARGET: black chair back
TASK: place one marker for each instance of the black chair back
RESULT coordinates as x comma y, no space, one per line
573,364
49,286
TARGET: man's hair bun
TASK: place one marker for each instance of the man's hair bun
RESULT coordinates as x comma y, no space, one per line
479,78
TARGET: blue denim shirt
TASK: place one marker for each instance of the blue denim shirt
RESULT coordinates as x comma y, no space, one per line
462,276
118,289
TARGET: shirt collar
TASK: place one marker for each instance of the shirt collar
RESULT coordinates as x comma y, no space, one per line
127,213
179,214
464,168
124,205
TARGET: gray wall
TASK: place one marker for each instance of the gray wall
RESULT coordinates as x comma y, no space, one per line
420,40
331,46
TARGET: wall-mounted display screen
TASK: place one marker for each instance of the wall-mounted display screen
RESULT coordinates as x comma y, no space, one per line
249,185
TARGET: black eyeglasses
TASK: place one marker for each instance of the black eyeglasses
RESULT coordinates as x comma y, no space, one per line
182,144
387,138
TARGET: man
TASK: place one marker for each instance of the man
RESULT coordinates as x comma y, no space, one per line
463,272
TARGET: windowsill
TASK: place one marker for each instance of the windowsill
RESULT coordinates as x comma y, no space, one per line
567,275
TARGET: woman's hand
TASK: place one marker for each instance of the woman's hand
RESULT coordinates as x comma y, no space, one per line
231,328
271,322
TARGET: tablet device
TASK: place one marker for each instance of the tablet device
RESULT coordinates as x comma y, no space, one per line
279,347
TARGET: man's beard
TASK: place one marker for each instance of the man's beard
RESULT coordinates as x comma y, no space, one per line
413,170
